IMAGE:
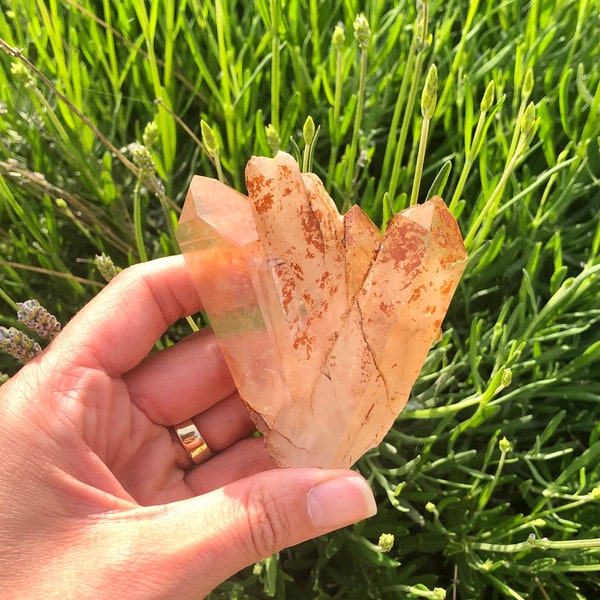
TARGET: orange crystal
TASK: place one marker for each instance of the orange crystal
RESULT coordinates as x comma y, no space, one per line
324,323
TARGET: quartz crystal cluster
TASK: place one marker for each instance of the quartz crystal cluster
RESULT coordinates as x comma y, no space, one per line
324,322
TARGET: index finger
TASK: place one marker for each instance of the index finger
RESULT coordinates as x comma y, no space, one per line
119,327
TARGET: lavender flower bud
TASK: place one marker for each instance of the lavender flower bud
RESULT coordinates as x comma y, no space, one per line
38,319
309,131
18,344
386,542
429,95
362,31
339,38
211,143
106,266
488,97
150,135
142,158
273,139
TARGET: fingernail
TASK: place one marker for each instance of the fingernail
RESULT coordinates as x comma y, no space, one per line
339,502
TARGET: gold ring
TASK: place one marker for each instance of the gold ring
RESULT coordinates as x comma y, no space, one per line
193,442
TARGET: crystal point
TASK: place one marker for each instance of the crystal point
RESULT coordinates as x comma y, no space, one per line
324,322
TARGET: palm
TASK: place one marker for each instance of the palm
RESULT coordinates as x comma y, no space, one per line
141,454
126,424
119,402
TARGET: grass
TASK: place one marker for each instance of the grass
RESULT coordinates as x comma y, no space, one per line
490,480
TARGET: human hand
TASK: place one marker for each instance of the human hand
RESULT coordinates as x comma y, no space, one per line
97,499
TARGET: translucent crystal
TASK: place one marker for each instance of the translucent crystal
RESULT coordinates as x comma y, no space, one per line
324,322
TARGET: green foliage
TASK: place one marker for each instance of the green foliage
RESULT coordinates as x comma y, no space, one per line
102,110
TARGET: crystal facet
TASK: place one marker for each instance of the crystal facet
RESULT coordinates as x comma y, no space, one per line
324,322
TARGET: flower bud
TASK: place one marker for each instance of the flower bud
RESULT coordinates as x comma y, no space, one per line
386,542
21,73
528,83
439,594
504,445
429,95
38,319
338,39
273,138
362,31
528,120
150,134
309,131
488,97
506,378
105,265
18,344
142,159
209,139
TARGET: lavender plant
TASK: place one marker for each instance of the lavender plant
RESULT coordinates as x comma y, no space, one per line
18,344
512,143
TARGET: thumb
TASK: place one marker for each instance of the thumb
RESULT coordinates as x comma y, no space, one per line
211,537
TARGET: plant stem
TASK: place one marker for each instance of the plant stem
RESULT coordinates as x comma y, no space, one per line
412,96
338,35
438,412
393,140
351,159
428,102
192,324
475,145
487,213
363,34
542,543
221,17
414,195
6,297
525,93
458,55
487,492
275,63
137,220
314,23
526,127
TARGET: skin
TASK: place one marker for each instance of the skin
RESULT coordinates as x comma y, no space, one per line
97,499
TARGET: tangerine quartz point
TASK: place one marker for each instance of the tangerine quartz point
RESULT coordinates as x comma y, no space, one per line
324,322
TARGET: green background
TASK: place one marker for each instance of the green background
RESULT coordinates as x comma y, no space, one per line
470,511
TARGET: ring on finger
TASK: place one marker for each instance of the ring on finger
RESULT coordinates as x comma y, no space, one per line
192,441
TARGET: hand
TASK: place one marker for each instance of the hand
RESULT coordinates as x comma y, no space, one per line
97,498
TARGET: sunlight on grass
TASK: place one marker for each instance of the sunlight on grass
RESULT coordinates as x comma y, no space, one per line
489,482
